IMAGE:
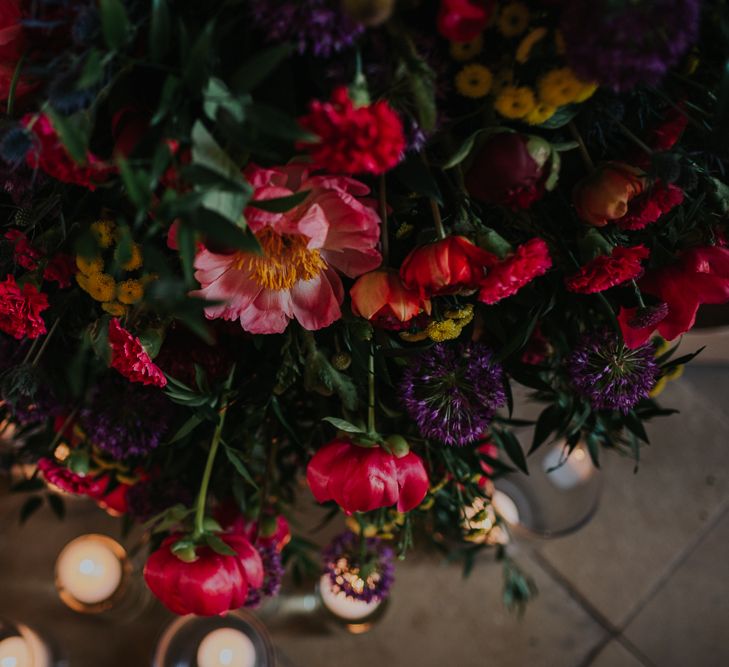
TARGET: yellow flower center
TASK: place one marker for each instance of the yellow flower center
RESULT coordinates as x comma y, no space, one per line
284,261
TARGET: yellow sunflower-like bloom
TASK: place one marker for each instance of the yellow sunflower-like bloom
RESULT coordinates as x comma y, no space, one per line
513,19
523,51
135,261
515,101
89,266
474,81
560,86
104,232
100,287
129,291
462,51
541,113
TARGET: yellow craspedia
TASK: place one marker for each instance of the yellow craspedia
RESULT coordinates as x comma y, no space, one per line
130,291
559,87
523,51
513,19
462,51
515,101
104,232
474,81
114,308
101,287
89,266
541,113
445,330
135,261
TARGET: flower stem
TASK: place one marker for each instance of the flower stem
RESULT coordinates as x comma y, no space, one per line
638,294
581,144
636,140
384,232
371,425
45,342
14,84
437,220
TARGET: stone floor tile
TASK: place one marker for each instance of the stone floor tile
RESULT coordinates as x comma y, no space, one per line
687,621
614,654
646,520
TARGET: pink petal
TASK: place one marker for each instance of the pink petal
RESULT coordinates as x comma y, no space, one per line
316,301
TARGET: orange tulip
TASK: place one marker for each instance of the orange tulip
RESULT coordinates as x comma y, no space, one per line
380,297
604,195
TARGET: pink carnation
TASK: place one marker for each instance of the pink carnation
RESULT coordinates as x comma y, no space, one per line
20,309
333,229
130,359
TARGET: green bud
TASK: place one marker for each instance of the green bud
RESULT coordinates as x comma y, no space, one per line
397,446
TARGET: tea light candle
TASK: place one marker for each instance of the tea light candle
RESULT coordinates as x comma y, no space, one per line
226,647
89,571
15,652
505,507
576,470
343,606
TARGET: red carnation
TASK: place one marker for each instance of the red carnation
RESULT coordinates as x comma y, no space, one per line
70,482
49,154
209,585
361,479
353,140
24,253
464,20
507,276
452,265
130,359
650,206
606,271
664,136
20,309
60,268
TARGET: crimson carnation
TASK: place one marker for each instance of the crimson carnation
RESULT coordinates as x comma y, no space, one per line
353,140
130,359
49,155
507,276
21,308
651,206
606,271
24,253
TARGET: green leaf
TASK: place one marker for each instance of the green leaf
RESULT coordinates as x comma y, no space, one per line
160,30
635,426
136,183
270,120
186,242
92,71
218,546
513,448
188,427
78,462
276,407
72,137
197,61
114,23
467,146
256,69
280,204
239,466
30,507
343,425
167,99
212,525
58,507
548,422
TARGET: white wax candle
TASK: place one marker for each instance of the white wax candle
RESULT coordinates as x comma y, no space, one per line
15,652
343,606
226,647
505,507
576,470
89,568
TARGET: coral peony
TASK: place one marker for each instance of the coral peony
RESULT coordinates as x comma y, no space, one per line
606,271
361,479
381,298
21,308
507,276
604,195
353,140
464,20
130,359
452,265
209,585
295,277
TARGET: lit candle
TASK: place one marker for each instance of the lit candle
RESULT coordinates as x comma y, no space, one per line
226,647
576,470
342,605
505,507
15,652
89,571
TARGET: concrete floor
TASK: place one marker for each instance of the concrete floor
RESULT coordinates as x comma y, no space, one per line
645,583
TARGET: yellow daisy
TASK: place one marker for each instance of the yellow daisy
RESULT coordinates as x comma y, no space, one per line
101,287
513,19
515,102
89,266
135,261
540,113
559,87
527,44
474,81
114,308
130,291
462,51
104,231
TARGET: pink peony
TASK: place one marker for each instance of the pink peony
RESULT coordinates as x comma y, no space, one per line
333,229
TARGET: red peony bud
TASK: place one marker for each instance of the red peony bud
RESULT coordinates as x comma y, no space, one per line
604,195
209,585
381,298
450,266
361,479
464,20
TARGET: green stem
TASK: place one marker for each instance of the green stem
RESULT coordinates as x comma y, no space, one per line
437,220
638,294
14,84
581,144
384,232
30,351
636,140
45,342
371,425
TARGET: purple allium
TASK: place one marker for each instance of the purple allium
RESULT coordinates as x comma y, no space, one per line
124,419
452,391
319,27
343,562
273,570
610,375
629,42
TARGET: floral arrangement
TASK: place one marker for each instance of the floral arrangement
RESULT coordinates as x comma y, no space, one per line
261,253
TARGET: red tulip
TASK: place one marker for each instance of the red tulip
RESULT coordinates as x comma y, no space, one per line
450,266
604,195
464,20
361,479
380,297
209,585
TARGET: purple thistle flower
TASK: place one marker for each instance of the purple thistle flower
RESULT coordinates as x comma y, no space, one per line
273,573
343,562
610,375
124,419
453,391
628,42
319,27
